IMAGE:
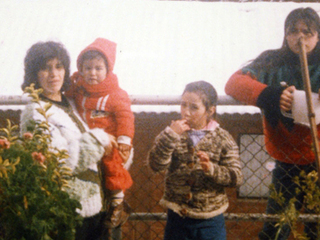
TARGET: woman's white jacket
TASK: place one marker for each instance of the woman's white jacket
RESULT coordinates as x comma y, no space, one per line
85,148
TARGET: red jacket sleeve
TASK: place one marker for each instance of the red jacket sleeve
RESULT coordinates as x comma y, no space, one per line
244,88
123,114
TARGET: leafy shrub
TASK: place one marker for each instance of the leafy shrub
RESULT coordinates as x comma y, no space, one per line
33,176
309,185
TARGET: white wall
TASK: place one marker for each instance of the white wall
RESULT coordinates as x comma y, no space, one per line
162,45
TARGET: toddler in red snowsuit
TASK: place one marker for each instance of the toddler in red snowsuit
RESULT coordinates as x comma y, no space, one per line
103,104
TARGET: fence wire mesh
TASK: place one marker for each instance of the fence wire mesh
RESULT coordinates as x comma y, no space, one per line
245,215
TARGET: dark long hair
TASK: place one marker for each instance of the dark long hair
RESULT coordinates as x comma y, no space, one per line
37,57
275,58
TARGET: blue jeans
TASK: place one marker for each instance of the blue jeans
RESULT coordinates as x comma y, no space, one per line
179,228
282,177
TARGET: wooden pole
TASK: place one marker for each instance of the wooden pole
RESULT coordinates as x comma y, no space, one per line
311,114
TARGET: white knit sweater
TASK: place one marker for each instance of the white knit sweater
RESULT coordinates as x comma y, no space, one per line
85,149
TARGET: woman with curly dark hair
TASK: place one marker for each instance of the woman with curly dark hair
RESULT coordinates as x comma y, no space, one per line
47,66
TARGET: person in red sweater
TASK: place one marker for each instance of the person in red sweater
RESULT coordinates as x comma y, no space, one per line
259,83
103,104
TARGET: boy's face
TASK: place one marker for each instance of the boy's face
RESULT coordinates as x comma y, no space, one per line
194,111
94,70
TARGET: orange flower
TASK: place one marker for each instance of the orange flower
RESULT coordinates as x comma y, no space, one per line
38,157
27,135
4,143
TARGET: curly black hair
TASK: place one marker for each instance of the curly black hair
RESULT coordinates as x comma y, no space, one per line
37,57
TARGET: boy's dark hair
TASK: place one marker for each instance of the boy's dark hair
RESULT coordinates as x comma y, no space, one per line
89,55
205,90
38,56
275,58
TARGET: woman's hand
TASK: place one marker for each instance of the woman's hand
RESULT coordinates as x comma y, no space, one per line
204,161
124,151
179,126
286,98
113,144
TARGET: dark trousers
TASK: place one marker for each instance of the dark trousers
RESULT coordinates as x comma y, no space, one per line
92,228
282,179
179,228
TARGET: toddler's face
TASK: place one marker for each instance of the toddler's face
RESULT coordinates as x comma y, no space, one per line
94,70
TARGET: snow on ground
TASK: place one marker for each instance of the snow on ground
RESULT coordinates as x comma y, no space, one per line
162,45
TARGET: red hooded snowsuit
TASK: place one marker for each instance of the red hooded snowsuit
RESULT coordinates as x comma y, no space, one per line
105,105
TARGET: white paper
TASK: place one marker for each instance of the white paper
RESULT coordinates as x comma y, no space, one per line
300,107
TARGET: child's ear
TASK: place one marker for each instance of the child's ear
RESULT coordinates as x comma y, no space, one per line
211,111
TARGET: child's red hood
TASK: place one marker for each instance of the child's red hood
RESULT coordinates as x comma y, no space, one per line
105,47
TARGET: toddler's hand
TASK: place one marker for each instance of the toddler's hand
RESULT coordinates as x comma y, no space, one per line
204,161
124,151
113,144
179,126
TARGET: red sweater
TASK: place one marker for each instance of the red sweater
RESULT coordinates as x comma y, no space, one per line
104,105
292,146
107,106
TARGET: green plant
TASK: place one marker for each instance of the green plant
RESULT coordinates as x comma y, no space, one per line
309,185
33,176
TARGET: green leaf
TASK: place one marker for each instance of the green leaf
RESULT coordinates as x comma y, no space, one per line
33,204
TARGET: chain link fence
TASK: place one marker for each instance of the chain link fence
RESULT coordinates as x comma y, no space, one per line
245,215
244,218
